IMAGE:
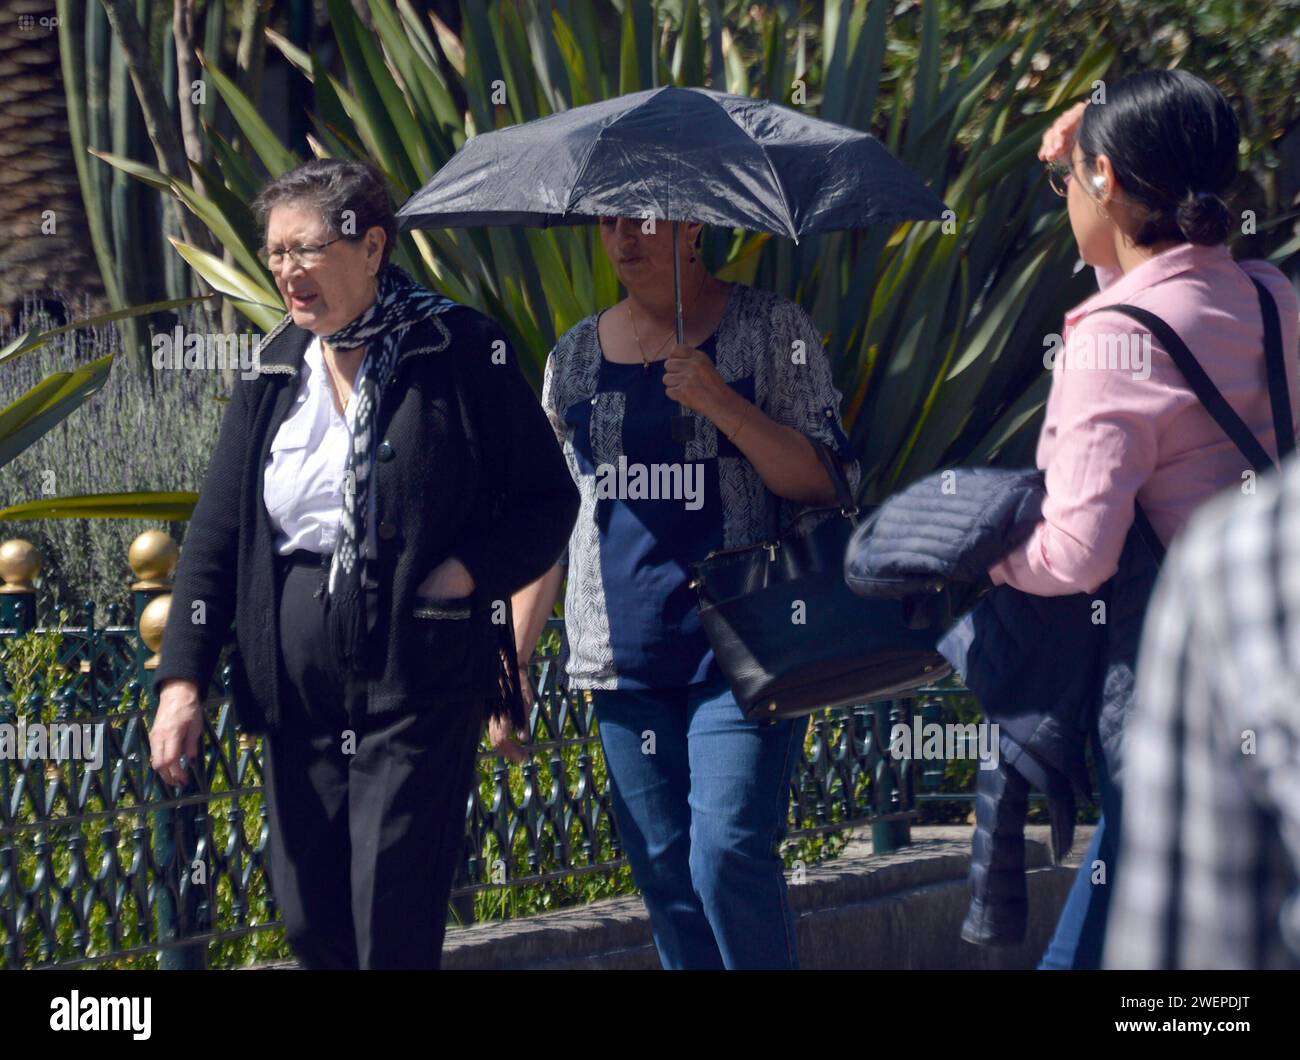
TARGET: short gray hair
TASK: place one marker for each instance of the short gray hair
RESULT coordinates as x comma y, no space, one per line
335,186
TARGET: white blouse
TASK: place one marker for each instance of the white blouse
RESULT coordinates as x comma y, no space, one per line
303,483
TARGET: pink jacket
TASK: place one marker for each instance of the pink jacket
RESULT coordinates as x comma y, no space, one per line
1125,431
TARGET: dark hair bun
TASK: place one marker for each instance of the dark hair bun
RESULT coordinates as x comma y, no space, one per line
1166,131
1204,218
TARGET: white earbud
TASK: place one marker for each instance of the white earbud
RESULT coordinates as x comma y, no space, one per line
1099,182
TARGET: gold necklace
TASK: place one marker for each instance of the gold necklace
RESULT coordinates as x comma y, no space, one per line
645,361
343,401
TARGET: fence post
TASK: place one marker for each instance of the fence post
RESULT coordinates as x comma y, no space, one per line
153,557
20,565
888,795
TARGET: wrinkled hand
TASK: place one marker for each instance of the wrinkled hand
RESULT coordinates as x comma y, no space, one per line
176,730
449,580
691,378
1060,137
506,743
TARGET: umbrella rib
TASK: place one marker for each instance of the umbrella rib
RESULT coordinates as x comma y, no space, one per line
591,150
582,169
771,169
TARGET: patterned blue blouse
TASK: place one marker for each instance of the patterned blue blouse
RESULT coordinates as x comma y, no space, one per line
648,511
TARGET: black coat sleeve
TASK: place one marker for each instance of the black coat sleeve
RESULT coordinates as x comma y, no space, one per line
526,469
206,571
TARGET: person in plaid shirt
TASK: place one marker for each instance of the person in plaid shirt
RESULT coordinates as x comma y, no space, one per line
1212,854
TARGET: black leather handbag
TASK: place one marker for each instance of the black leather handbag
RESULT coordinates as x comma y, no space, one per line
790,635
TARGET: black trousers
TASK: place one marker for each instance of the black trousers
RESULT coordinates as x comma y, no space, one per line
367,815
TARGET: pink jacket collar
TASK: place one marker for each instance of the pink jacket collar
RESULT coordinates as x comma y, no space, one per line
1168,263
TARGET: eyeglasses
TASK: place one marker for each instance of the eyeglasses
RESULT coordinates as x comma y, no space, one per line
306,256
1058,176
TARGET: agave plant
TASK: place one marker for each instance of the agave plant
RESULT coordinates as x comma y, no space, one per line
933,326
38,411
926,323
935,329
125,221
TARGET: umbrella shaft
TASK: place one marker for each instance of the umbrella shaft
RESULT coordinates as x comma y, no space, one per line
677,279
683,424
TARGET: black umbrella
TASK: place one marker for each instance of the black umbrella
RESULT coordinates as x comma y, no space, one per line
675,154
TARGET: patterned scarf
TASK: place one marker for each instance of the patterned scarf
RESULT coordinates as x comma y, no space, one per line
401,303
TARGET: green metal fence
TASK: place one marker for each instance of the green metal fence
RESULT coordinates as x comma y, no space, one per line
100,861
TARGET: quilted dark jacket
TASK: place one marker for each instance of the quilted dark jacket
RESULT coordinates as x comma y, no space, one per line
1047,670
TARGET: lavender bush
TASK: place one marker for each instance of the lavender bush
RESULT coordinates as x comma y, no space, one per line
137,433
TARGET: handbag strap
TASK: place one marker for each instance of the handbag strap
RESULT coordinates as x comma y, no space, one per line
843,492
831,462
1208,394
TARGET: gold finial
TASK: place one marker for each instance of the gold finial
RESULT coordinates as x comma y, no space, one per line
153,557
153,619
20,564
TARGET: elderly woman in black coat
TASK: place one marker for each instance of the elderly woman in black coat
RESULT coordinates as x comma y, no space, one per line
378,491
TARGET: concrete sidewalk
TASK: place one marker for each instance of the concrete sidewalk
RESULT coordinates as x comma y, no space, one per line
860,910
900,910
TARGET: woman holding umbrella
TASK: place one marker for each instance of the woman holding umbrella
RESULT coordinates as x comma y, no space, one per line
700,793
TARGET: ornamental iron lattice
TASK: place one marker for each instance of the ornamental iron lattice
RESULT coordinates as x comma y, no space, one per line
103,861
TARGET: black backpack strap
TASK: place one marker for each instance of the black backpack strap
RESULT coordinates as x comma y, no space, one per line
1275,362
1148,533
1205,390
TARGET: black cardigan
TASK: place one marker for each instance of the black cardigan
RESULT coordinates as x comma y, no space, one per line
468,466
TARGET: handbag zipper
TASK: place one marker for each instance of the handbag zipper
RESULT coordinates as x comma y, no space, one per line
768,546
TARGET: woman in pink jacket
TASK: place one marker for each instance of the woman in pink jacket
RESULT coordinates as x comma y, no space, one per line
1144,174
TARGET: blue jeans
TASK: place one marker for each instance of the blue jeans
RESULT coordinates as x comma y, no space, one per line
700,798
1081,929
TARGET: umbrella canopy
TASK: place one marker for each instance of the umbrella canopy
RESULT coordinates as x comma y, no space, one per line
677,154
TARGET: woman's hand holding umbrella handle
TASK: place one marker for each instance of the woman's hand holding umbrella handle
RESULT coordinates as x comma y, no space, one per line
691,379
176,730
783,458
